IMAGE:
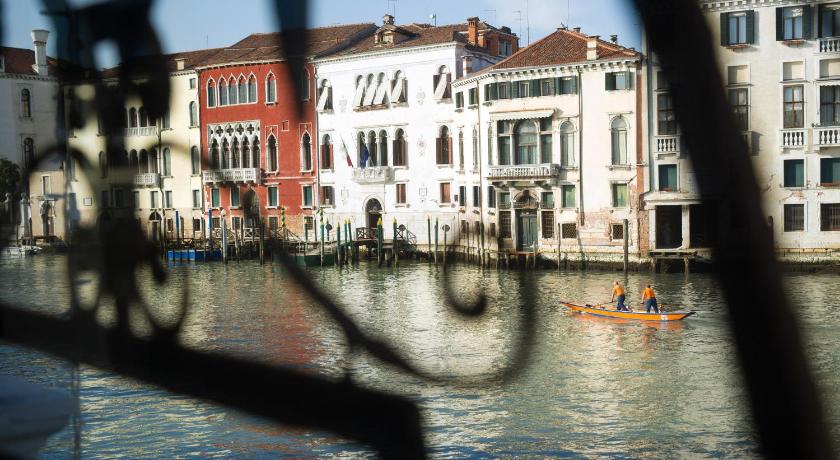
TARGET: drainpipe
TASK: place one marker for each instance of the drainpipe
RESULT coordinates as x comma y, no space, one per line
581,213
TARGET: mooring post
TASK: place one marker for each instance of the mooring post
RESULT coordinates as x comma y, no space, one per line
380,256
445,232
321,220
625,226
224,238
396,253
262,242
338,245
436,239
429,241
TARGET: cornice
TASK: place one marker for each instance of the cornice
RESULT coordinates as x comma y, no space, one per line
567,68
18,76
726,5
388,52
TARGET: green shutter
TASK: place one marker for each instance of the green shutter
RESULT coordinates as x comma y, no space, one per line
750,26
494,91
609,81
574,85
514,89
630,79
806,23
780,24
820,21
487,92
724,29
534,87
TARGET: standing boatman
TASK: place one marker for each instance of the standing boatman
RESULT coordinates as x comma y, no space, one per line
618,295
649,298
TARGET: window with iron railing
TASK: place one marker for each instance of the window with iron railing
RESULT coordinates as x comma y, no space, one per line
794,217
568,230
504,224
547,224
830,217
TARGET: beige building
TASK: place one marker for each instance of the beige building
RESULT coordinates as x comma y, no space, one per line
160,160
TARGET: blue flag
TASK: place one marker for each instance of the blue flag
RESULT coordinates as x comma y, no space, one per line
365,156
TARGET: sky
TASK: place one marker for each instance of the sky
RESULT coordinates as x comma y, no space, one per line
186,25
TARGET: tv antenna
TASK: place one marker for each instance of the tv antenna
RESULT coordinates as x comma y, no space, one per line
519,12
494,16
392,7
433,16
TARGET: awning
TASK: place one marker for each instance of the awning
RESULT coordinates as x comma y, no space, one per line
521,115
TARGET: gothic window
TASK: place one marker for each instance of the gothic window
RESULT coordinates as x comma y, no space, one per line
443,147
252,89
271,160
270,89
223,93
567,144
25,103
243,91
306,153
211,93
618,135
399,149
442,83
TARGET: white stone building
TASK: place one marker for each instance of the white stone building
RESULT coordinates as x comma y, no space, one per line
386,128
28,93
780,61
554,136
160,159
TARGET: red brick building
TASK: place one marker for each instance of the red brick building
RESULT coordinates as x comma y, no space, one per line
258,148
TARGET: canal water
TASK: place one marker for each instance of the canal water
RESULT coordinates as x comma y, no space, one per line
593,387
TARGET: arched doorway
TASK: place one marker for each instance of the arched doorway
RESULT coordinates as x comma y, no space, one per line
526,221
373,211
154,226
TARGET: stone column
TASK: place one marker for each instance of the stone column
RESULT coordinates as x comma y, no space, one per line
686,229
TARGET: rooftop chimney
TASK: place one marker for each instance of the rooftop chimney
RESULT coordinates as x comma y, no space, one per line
592,47
472,30
614,39
39,38
388,20
179,63
576,29
467,62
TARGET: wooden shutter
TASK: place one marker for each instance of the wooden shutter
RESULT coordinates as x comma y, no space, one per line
724,29
397,159
629,79
820,20
449,150
514,89
494,91
751,26
438,146
574,85
806,23
487,92
609,81
534,87
780,24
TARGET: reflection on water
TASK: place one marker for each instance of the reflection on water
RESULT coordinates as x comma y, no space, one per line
594,386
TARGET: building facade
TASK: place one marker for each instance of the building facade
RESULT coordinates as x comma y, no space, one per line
780,61
259,135
159,158
554,134
389,140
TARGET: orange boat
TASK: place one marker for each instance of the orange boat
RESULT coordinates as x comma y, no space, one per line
610,311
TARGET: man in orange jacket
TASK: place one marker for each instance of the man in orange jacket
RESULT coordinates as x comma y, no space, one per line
649,298
618,295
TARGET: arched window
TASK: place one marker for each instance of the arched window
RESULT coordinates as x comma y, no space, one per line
325,96
371,146
326,152
400,158
306,153
246,153
567,144
232,94
442,82
252,89
153,161
211,93
195,160
461,149
270,89
399,91
618,134
193,114
381,89
243,90
25,103
103,165
361,149
29,152
234,153
134,162
144,119
271,158
132,118
359,95
443,147
225,154
215,160
167,162
525,140
144,162
223,94
255,154
304,85
383,148
124,122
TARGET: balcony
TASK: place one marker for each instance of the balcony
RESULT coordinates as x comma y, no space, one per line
373,174
830,45
827,137
232,175
527,172
793,138
147,180
141,131
666,144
